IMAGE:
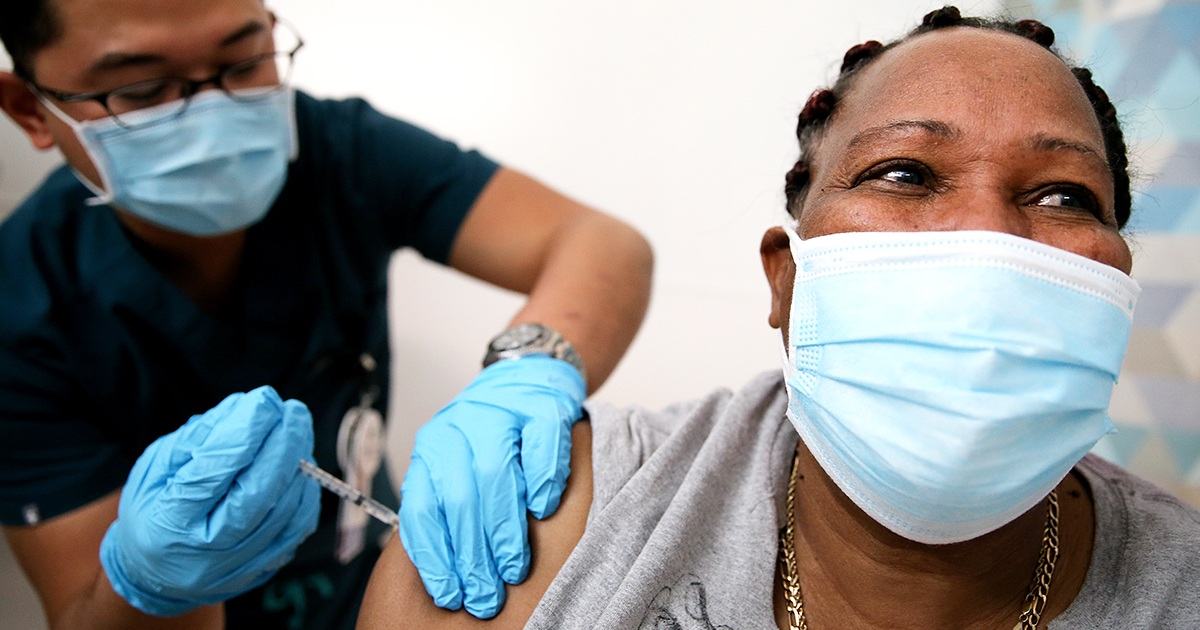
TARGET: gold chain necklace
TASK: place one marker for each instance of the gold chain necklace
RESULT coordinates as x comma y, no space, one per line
1035,600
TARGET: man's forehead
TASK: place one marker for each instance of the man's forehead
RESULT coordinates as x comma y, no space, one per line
74,16
92,33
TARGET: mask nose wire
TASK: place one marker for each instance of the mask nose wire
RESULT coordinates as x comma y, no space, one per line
192,88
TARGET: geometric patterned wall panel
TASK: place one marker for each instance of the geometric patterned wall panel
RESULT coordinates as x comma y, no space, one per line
1146,55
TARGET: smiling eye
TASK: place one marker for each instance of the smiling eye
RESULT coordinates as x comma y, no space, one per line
903,175
900,172
1067,199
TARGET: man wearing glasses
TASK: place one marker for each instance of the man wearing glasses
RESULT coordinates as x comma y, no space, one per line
219,233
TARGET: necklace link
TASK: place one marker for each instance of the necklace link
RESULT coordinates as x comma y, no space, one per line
1035,599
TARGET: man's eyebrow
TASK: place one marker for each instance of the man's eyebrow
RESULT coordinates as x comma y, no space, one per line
903,128
253,27
116,60
1042,142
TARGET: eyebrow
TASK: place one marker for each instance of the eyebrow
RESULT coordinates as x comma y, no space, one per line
117,60
1042,142
1039,142
904,127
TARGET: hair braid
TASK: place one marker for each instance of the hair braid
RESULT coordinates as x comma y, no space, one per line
1114,142
821,106
941,18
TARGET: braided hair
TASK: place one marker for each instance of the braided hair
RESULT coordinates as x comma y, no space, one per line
814,118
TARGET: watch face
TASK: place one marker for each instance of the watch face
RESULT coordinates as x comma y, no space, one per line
518,337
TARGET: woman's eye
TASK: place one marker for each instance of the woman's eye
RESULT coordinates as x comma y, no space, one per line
1068,199
904,174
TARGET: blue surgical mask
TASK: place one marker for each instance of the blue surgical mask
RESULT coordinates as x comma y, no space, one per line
947,381
214,169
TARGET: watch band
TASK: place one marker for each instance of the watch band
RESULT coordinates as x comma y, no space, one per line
531,338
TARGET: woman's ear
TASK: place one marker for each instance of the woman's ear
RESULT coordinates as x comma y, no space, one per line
21,105
781,273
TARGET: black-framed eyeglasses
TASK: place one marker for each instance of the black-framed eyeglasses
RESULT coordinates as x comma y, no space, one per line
249,80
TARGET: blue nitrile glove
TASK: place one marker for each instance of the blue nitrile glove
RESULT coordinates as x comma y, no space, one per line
501,445
214,508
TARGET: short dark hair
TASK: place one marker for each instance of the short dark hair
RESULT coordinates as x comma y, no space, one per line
26,27
820,106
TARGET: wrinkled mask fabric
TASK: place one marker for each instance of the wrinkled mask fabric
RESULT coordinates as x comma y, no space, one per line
214,169
947,381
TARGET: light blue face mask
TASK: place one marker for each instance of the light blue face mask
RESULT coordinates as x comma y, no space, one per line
214,169
947,381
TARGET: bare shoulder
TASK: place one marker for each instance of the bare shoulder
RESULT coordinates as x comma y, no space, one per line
395,597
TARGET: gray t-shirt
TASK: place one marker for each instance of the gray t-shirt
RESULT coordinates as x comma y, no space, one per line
688,501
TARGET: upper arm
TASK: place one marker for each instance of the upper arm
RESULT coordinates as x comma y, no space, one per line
396,598
516,223
61,556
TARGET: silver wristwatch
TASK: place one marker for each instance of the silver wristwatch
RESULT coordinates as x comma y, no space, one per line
525,339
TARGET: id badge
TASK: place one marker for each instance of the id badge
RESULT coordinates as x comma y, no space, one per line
360,453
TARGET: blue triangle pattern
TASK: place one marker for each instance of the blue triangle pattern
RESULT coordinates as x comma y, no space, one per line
1099,51
1066,25
1129,33
1044,7
1184,447
1183,167
1148,59
1183,20
1158,303
1120,447
1161,208
1174,403
1190,221
1176,100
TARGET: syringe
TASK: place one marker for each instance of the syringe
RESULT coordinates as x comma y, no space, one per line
347,492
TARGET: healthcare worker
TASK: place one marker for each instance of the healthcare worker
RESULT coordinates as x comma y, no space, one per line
196,302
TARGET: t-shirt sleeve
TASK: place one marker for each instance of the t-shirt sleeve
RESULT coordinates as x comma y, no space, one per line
412,188
624,439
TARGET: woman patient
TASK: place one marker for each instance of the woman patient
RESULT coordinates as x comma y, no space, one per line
954,302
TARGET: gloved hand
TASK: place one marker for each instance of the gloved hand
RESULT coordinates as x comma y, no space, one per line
214,508
500,446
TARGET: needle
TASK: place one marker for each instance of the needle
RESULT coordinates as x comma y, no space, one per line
347,492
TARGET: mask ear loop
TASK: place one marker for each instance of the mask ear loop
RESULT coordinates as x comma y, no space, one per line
104,192
790,225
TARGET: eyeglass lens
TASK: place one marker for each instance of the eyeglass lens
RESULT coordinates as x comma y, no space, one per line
244,81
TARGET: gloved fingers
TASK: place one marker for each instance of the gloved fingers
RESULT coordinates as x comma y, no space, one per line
263,551
257,489
546,461
426,537
196,430
163,458
147,478
233,444
496,454
483,590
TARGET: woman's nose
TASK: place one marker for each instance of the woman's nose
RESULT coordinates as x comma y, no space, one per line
991,211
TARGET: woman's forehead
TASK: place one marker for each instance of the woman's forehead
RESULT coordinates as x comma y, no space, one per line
973,79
